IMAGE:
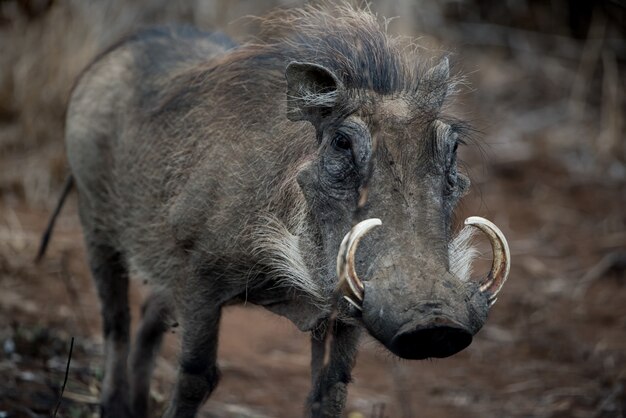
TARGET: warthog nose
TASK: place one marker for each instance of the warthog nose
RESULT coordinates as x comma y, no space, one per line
439,338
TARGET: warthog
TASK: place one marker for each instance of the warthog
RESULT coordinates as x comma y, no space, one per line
227,173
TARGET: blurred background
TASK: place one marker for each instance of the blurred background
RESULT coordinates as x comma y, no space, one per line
545,91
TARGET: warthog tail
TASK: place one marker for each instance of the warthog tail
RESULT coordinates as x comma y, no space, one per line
67,187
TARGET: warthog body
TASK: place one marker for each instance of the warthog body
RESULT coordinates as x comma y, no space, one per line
227,173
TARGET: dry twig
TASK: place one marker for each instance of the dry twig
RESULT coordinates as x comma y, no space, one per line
67,372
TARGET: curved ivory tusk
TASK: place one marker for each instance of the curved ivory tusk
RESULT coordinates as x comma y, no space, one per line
345,261
501,257
353,303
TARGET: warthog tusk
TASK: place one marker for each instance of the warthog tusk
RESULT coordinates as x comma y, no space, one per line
501,263
349,282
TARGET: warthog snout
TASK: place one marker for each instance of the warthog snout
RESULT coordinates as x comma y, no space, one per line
439,337
422,317
416,329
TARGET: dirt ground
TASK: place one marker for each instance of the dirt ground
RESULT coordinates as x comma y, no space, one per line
548,167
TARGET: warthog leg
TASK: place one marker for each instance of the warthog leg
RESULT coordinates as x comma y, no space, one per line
331,377
156,320
111,279
198,373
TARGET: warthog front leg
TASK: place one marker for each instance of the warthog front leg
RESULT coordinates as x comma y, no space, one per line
331,371
198,373
156,320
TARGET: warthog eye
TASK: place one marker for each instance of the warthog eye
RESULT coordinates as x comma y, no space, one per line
342,142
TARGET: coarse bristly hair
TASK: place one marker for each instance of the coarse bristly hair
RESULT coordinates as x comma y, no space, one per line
353,43
348,40
278,251
462,253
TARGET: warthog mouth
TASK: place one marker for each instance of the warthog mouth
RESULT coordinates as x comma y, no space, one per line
352,287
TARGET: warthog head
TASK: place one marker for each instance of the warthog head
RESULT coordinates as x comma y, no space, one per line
388,159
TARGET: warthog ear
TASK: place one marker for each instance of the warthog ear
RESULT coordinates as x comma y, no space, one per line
436,83
312,91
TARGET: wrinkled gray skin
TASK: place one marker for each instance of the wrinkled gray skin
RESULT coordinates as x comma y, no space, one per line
223,188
